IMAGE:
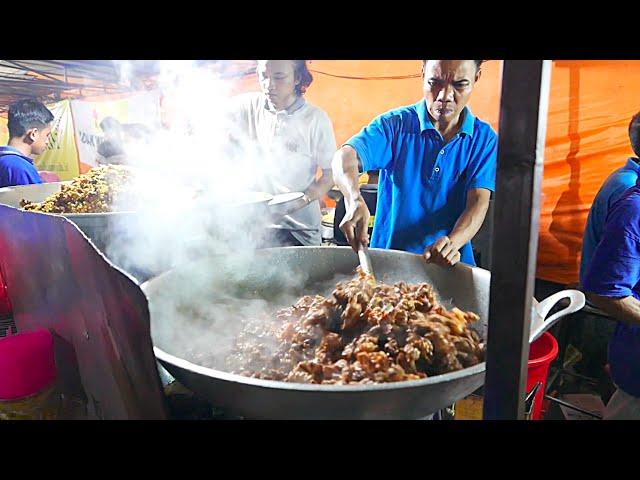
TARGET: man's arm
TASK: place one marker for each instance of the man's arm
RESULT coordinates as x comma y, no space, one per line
320,187
355,223
472,218
446,250
625,309
614,268
372,148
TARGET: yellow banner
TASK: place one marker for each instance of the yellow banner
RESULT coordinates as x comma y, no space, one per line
61,156
4,131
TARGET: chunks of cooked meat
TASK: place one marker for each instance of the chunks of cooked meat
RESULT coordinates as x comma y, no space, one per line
96,191
365,333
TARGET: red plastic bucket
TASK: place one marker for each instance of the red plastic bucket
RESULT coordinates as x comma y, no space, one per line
27,363
541,353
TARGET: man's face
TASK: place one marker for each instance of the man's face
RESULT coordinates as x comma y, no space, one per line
278,82
40,139
447,87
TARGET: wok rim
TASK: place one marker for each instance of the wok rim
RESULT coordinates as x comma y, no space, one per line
314,387
70,216
261,198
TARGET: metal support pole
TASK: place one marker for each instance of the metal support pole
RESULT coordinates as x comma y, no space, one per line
523,112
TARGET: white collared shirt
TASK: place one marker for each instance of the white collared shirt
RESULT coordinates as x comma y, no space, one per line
291,145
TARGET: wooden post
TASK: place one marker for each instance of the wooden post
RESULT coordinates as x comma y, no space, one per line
523,112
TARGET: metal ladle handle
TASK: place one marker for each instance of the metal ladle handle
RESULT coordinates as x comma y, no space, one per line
365,260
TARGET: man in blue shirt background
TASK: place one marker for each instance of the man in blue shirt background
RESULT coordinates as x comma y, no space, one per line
612,283
29,129
592,334
437,167
612,189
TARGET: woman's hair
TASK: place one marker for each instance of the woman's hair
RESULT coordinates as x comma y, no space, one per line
302,73
110,125
110,148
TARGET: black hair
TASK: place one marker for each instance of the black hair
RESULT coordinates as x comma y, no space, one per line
110,148
301,72
26,114
477,62
110,124
634,133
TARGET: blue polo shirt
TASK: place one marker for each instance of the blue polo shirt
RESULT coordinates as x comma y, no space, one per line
16,169
614,271
613,187
423,183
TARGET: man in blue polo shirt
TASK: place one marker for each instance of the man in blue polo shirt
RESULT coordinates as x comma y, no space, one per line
592,334
612,283
612,189
29,129
437,165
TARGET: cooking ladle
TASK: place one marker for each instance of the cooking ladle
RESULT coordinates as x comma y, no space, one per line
365,260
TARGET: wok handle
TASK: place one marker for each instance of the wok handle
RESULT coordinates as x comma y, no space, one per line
576,302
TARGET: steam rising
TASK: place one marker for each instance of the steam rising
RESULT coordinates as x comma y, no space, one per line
205,305
189,176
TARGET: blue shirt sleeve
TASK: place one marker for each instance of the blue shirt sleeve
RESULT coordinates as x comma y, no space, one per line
482,169
610,192
23,177
14,173
615,265
374,144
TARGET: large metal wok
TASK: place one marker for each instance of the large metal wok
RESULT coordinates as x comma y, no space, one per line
96,226
308,270
262,206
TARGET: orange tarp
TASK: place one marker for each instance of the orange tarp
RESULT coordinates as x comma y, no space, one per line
591,105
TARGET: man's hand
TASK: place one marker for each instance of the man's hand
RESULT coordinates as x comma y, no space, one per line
624,309
355,224
286,208
443,252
